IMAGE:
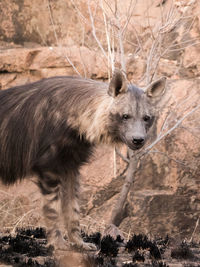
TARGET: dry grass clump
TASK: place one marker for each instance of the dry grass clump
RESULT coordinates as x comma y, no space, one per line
17,211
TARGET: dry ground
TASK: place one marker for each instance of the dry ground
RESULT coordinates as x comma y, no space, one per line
20,206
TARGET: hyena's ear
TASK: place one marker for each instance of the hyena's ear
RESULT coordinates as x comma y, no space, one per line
117,84
156,88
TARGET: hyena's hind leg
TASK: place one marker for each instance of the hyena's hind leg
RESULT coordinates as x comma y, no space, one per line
49,185
71,213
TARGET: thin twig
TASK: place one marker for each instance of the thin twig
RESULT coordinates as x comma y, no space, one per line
195,228
94,31
114,163
168,119
122,156
67,58
164,154
120,40
110,53
172,128
52,22
6,193
20,220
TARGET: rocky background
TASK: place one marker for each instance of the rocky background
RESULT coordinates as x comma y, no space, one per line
44,38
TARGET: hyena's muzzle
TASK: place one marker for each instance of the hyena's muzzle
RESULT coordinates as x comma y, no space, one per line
136,133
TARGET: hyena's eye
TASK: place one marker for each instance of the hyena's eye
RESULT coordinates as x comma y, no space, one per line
125,117
146,118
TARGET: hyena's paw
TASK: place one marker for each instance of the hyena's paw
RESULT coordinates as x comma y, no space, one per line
60,244
81,245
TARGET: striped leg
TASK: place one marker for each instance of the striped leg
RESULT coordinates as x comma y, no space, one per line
71,213
50,187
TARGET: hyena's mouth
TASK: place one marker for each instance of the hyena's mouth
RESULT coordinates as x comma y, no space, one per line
132,145
135,147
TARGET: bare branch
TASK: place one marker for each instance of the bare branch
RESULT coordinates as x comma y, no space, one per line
111,54
79,12
20,220
178,123
125,159
195,228
94,31
52,22
120,40
171,159
67,58
117,213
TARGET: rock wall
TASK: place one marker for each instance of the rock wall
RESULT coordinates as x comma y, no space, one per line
23,65
46,38
166,192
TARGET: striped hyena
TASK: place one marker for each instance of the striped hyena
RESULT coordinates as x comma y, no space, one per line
48,129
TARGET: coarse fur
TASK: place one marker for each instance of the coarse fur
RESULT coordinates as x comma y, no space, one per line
48,129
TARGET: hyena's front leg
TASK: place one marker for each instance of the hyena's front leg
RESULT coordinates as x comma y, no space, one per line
71,213
50,187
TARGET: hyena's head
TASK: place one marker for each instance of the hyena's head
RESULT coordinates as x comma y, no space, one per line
133,110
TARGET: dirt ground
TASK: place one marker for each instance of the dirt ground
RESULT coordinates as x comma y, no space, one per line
20,207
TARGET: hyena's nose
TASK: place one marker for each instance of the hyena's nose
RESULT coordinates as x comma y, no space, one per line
138,141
